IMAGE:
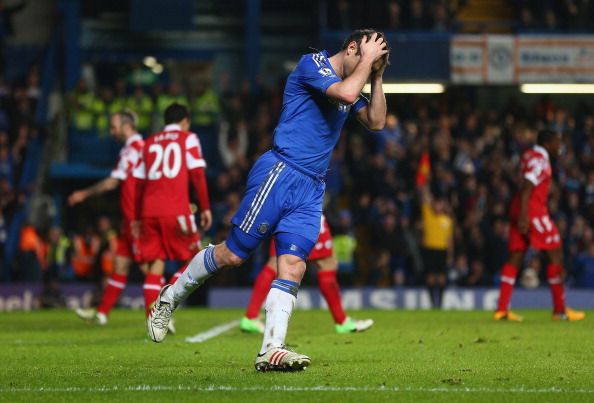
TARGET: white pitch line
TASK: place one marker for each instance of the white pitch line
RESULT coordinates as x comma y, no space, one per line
211,333
222,388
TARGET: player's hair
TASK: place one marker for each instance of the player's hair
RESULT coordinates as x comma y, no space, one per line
357,36
128,117
546,135
175,113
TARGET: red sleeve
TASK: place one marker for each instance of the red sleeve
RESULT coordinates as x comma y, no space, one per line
198,178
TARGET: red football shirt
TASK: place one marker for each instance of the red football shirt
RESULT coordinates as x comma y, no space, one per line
167,158
536,168
129,157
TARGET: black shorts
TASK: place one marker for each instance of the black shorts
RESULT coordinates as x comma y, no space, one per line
435,261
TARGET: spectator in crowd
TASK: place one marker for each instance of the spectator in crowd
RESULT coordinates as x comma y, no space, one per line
166,98
58,260
85,251
233,144
205,107
389,241
7,26
584,268
142,105
101,109
107,247
33,254
344,248
6,164
80,106
394,15
437,244
119,100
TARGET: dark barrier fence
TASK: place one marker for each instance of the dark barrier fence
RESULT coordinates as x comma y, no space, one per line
26,297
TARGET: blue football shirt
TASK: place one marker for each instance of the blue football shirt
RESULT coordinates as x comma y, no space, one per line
310,121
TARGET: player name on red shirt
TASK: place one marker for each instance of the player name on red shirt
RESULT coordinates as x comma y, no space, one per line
167,159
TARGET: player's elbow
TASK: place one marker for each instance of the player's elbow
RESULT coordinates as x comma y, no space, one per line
349,98
343,95
377,124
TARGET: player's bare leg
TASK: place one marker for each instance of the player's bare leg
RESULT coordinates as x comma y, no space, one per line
113,289
330,289
509,273
279,307
555,277
251,322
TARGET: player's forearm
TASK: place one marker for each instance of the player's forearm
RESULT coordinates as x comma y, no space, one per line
377,109
102,186
198,178
348,90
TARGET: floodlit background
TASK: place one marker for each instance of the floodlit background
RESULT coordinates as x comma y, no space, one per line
470,82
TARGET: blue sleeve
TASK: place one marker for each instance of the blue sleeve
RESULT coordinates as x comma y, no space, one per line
315,73
359,104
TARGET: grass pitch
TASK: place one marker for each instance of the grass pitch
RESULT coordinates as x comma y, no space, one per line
407,355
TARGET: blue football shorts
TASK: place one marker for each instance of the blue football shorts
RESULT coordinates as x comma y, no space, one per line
283,200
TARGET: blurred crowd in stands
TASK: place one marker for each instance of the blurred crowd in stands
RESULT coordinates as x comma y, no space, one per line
373,202
19,148
414,15
373,196
442,15
554,15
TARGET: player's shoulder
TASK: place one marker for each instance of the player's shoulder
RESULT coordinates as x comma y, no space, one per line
136,141
529,153
151,138
534,153
316,61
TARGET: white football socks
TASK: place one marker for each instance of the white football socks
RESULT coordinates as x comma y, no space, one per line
201,267
279,306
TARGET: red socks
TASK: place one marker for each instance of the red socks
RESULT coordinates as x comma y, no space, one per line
506,287
115,286
151,288
331,293
260,291
326,281
555,278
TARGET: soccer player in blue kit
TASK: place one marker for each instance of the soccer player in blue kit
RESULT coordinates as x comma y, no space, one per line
285,187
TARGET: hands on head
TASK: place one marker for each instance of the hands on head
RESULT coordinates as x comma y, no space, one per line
375,49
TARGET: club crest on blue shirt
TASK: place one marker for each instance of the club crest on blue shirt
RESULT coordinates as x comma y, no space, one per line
263,228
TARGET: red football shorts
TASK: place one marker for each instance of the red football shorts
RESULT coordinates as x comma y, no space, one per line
127,244
542,235
168,238
322,249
